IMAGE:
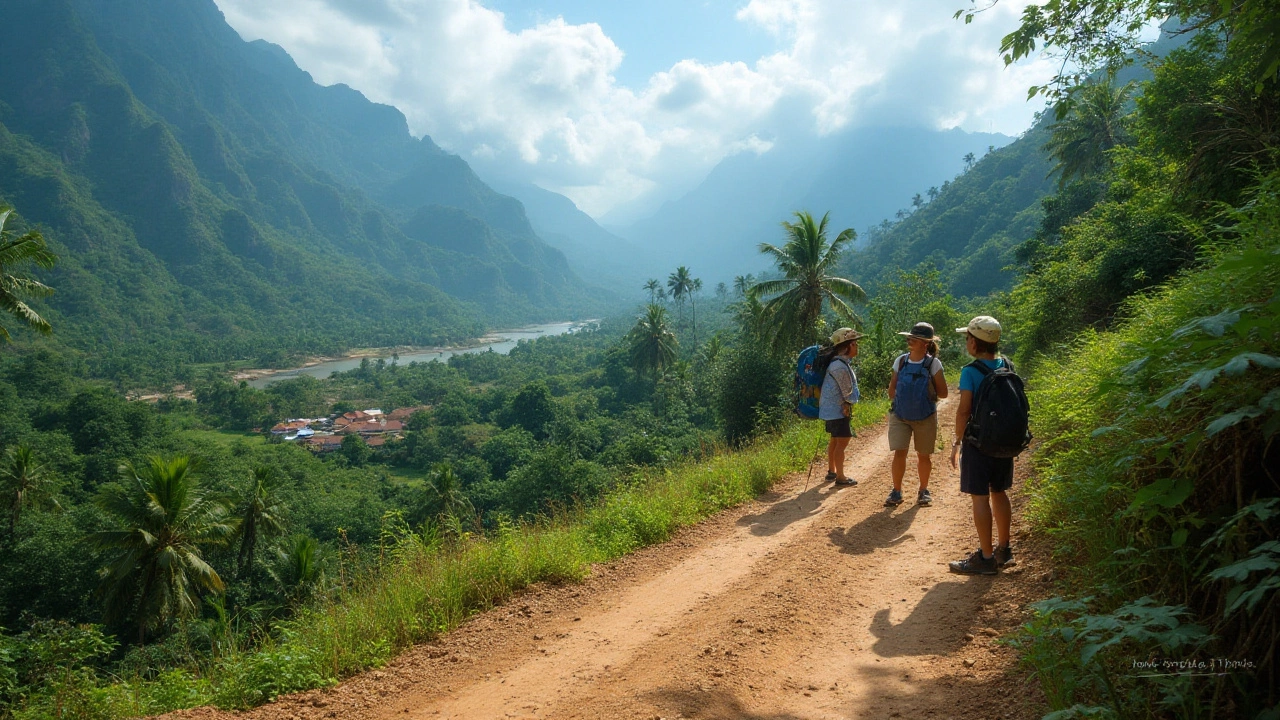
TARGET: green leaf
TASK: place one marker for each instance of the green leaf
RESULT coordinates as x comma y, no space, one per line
1179,537
1214,325
1232,419
1241,571
1165,493
1104,430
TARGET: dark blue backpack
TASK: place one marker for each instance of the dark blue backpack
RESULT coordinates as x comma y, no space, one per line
914,397
811,368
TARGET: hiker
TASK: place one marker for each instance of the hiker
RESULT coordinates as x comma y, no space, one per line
985,476
914,389
839,392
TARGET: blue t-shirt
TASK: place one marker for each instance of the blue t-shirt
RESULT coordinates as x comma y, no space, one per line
971,377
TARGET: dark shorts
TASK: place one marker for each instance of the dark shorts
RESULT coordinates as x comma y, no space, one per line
839,428
981,474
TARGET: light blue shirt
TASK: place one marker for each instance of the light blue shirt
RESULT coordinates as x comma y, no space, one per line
971,377
840,384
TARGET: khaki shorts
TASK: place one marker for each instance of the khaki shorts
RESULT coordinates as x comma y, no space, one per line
924,431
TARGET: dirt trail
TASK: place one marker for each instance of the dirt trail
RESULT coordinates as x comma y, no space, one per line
807,603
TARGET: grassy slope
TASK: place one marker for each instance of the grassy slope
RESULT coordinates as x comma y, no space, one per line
1156,436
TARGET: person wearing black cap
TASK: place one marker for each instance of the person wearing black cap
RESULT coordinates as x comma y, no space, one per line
914,388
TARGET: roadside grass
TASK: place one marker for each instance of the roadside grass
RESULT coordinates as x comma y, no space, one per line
1152,488
431,580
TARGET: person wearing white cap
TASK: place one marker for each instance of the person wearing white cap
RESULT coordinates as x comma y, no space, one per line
985,479
839,392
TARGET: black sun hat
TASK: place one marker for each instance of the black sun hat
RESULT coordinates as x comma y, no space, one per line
922,331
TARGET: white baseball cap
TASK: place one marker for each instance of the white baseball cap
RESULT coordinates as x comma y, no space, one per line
983,327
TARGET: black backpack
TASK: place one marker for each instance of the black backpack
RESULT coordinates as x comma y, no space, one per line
999,423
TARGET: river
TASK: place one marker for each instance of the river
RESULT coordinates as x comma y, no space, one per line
500,342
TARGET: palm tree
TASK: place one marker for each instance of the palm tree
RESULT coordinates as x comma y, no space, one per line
260,513
653,345
654,287
969,160
901,214
1095,123
805,261
933,193
679,284
163,518
752,318
444,496
299,567
917,201
16,253
23,482
743,283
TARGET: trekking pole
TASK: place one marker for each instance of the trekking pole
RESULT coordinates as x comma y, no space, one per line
809,475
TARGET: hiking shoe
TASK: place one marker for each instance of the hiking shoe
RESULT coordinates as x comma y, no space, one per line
975,564
895,498
831,475
1004,556
924,497
846,482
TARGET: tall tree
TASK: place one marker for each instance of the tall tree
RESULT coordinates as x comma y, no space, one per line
23,482
16,255
260,513
683,286
969,160
742,283
155,567
655,288
1094,123
805,262
933,193
653,345
917,201
443,495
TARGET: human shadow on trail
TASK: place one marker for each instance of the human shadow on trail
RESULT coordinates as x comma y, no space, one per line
937,624
876,531
713,704
785,512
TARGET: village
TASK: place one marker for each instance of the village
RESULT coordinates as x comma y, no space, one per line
325,435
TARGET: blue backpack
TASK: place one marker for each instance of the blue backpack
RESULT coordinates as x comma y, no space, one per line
810,371
914,397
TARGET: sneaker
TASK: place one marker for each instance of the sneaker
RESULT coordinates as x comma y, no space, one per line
895,498
975,564
831,475
1004,556
846,482
924,497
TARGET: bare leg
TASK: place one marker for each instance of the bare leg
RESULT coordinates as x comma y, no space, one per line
1003,513
925,466
835,456
898,468
982,520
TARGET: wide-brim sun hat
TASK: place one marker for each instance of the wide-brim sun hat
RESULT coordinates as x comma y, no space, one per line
922,331
983,327
844,335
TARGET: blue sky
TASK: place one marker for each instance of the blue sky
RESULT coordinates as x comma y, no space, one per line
655,34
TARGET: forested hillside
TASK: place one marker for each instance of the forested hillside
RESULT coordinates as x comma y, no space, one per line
209,201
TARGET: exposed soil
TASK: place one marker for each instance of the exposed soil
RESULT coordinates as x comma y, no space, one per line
806,603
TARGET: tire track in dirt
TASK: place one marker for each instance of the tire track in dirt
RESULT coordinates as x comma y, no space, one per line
806,603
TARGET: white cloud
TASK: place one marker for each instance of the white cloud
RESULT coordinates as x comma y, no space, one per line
542,104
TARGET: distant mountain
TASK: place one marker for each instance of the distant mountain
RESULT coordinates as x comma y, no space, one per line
969,230
860,177
593,252
210,201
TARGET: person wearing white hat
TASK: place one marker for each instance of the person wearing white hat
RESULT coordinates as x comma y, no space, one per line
985,479
839,392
